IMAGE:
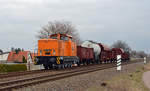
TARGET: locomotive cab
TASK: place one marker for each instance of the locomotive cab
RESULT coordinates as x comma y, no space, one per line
58,50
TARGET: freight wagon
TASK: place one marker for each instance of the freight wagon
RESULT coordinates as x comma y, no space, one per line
102,53
105,55
86,55
118,51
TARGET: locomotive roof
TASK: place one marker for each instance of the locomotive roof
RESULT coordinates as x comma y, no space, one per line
62,34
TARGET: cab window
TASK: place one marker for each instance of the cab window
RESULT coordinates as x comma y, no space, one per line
71,39
64,38
53,37
47,51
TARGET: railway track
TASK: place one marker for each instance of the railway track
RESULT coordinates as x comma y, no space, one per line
14,84
14,74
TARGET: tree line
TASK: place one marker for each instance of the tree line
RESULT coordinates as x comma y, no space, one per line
16,50
127,49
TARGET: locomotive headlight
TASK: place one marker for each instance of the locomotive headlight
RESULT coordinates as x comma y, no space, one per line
40,52
54,52
36,60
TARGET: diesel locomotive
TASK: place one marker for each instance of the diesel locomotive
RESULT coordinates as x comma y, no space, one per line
58,51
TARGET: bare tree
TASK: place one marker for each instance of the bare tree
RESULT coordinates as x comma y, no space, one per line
17,50
121,44
141,54
12,49
133,54
138,54
63,27
148,55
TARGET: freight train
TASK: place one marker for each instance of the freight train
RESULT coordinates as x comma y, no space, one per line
60,51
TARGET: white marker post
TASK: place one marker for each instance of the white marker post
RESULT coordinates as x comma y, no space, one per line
144,60
118,62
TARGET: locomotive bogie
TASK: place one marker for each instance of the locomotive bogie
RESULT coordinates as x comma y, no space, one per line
56,61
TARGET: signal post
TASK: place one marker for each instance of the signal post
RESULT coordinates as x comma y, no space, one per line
119,62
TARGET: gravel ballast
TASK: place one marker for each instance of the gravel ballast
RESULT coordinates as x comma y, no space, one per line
82,82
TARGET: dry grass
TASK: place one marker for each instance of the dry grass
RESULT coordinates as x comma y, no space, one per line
147,66
125,82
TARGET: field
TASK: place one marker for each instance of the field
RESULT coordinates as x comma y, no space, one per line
125,82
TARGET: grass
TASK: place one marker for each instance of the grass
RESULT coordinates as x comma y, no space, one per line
135,59
12,68
125,82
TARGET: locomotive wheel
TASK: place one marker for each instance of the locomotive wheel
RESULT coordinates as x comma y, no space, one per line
45,66
99,62
59,67
62,66
56,67
110,61
50,66
53,67
78,64
87,63
70,65
65,65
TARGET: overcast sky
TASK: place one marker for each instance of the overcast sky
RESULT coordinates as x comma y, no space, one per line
104,21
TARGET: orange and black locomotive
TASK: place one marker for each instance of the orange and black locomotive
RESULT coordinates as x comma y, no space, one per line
57,51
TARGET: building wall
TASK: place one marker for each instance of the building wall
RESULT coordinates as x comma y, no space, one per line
29,58
29,61
3,57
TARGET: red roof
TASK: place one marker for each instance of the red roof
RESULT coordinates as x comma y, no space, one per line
17,57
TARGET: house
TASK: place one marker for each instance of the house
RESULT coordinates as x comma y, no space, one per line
19,57
3,57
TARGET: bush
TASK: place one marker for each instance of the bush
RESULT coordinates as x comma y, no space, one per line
2,68
12,67
24,60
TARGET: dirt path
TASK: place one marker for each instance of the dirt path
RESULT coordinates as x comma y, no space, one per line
146,78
